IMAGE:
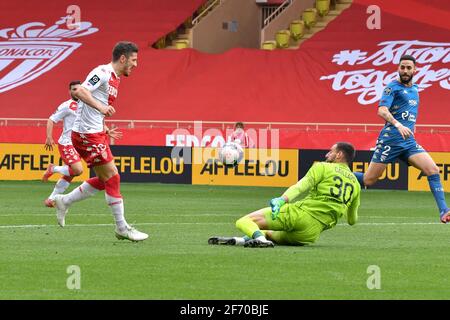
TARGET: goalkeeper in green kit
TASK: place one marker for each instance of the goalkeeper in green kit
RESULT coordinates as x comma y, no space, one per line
328,191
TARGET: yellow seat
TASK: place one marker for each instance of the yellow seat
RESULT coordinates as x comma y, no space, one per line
310,17
282,38
161,43
269,45
181,44
297,29
323,7
171,36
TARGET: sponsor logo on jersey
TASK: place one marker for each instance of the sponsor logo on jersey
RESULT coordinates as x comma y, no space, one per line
412,102
73,106
31,50
93,81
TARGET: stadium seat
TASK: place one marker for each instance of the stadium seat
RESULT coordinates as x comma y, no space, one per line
297,28
161,43
310,17
269,45
181,44
323,7
282,38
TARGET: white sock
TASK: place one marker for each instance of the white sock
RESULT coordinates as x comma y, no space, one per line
239,241
261,238
64,170
60,187
84,191
116,205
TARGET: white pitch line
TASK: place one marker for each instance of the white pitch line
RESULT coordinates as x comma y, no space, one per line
202,223
108,213
390,223
105,224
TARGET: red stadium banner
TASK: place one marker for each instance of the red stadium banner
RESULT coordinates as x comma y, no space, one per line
336,76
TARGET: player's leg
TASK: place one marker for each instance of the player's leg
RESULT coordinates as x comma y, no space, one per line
423,161
384,153
86,190
72,166
301,229
72,161
61,185
252,225
108,174
373,173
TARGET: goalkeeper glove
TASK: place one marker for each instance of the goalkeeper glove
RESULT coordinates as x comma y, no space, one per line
275,205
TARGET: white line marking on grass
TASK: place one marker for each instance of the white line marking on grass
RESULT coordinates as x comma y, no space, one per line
201,223
390,223
106,224
109,213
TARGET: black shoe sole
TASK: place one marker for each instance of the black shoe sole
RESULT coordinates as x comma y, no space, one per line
258,244
222,241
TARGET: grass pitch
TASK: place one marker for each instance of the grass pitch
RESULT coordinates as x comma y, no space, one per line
398,231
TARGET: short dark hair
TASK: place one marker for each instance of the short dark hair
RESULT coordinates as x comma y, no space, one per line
239,125
408,57
348,150
73,83
125,48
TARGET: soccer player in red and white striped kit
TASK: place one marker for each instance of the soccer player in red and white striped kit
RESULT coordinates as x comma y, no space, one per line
96,96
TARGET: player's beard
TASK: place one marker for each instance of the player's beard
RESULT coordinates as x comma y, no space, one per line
127,69
402,79
330,159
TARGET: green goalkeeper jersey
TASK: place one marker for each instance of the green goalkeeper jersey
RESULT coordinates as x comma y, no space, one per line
330,191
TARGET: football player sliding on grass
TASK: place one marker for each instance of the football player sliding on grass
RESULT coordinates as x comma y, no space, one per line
327,192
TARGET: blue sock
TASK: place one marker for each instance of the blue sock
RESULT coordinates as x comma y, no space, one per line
360,177
438,192
257,234
246,238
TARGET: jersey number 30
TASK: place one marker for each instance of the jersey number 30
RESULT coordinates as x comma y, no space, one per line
341,190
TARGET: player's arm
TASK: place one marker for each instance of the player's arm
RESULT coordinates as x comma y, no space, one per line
59,115
386,101
384,113
49,142
352,214
85,95
300,189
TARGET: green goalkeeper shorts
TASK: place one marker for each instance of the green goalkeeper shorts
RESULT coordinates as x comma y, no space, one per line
293,226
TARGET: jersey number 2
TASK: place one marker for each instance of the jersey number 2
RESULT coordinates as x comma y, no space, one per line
344,190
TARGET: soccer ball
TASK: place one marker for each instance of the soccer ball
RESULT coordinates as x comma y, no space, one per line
231,154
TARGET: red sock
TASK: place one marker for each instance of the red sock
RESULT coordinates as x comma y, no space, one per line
112,186
96,183
67,178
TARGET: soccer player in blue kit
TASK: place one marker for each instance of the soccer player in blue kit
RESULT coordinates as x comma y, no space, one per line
399,106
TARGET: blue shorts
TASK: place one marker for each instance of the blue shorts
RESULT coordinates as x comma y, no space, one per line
390,151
